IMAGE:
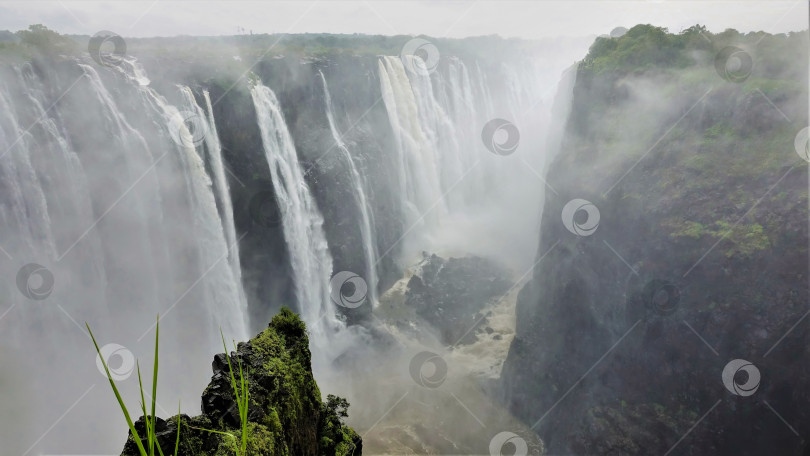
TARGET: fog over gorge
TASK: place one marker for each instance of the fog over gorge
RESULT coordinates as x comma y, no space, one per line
384,228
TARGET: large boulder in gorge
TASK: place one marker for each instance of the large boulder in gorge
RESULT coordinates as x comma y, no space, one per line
452,293
285,413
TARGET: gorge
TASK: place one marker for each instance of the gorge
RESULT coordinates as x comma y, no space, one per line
496,246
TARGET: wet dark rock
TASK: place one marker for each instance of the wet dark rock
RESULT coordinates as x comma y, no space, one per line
699,258
451,294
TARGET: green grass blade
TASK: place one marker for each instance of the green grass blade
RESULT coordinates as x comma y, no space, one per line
135,436
230,370
154,384
177,442
243,410
149,431
218,432
241,399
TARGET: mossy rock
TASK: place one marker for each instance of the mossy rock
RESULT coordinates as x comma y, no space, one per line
285,413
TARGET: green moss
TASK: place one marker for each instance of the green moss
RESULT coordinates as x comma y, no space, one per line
740,239
261,442
286,415
689,229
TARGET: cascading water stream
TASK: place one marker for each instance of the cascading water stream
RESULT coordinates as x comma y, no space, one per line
223,192
418,161
226,306
302,223
367,228
220,237
451,186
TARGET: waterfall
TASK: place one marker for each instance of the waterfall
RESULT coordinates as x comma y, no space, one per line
302,223
367,228
454,192
216,231
223,195
224,302
94,189
416,132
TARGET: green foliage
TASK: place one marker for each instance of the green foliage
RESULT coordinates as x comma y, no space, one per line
46,40
741,239
241,393
642,47
257,440
279,404
150,420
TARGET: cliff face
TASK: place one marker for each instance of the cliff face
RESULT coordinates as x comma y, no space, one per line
291,67
688,251
286,415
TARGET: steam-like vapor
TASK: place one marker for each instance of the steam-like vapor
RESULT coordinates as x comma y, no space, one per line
116,206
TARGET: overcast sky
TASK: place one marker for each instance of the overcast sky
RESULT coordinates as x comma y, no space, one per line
528,19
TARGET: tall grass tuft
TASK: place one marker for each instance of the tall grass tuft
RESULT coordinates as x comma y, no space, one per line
150,420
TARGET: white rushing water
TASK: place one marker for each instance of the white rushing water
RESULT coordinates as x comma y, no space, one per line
457,197
216,234
223,193
367,228
127,222
302,222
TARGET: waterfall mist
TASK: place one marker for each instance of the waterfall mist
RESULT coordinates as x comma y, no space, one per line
107,190
135,190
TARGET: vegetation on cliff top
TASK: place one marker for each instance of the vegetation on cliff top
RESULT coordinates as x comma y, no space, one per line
701,125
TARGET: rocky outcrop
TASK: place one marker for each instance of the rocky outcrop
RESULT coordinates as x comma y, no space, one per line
286,415
452,293
675,243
